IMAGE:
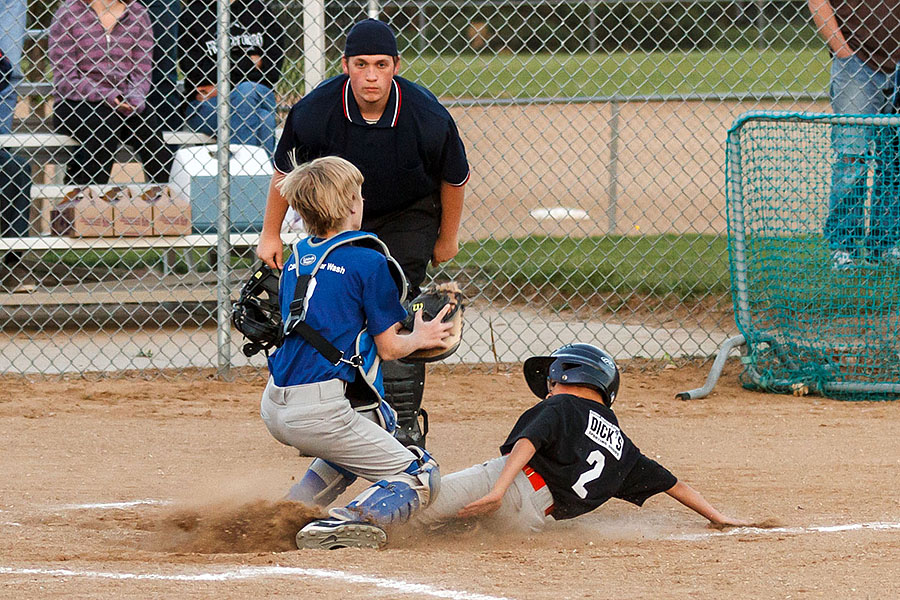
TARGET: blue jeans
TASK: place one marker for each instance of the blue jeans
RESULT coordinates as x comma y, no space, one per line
252,115
7,107
164,97
15,177
15,174
12,32
858,90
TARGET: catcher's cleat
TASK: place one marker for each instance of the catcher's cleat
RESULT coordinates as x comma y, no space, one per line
331,534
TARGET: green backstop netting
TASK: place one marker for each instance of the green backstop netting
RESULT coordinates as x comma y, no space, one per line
813,320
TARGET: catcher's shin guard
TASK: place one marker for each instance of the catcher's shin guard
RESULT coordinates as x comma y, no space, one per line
404,385
321,485
395,499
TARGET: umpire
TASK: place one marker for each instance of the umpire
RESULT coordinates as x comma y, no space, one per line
414,163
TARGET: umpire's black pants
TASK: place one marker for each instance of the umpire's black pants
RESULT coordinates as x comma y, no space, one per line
410,235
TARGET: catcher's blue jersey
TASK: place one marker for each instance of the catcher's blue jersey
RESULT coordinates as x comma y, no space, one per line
353,290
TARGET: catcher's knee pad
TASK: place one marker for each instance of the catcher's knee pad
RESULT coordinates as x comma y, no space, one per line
322,483
395,499
404,385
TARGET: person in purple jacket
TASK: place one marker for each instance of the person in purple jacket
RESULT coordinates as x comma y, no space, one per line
102,56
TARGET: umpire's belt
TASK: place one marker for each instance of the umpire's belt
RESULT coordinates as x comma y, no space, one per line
537,482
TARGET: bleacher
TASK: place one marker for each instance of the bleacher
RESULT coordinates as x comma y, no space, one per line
48,153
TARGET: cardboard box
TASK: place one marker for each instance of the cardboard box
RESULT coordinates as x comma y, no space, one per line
171,213
82,213
133,214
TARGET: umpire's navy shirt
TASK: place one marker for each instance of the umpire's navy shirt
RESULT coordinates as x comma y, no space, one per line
403,157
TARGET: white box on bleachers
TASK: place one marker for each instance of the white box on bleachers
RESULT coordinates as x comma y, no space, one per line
194,176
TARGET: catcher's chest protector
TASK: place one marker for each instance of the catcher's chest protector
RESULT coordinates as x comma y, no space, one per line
308,258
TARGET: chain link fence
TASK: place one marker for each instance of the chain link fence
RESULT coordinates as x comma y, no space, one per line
595,132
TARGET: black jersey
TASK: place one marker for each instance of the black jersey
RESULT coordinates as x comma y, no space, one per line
584,457
403,157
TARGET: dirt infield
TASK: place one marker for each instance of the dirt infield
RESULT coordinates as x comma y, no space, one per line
129,488
663,171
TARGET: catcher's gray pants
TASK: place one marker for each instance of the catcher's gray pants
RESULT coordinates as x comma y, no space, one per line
523,508
317,420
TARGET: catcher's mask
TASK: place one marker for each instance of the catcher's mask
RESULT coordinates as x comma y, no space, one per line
257,314
579,364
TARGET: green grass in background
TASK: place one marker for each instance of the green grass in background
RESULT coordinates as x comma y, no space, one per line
686,266
602,74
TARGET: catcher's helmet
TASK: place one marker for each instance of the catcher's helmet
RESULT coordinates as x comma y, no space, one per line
581,364
257,314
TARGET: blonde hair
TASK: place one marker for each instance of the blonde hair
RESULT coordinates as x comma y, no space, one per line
322,192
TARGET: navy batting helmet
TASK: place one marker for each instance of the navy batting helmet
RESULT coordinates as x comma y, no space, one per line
579,364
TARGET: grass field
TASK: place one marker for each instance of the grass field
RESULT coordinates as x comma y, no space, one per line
687,266
609,74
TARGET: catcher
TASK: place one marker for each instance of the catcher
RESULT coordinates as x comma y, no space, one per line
565,456
341,299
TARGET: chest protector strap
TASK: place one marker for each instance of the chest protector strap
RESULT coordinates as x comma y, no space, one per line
364,392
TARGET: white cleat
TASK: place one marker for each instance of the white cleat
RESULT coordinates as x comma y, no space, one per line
331,534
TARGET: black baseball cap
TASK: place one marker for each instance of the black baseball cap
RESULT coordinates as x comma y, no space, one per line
371,37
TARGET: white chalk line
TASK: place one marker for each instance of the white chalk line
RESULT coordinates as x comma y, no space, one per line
876,525
244,573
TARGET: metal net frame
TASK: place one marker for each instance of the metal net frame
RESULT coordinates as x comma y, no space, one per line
812,323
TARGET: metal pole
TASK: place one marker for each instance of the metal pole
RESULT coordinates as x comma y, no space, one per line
373,9
313,43
421,24
612,186
223,222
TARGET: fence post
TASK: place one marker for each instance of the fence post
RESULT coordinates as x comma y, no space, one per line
313,43
612,186
223,222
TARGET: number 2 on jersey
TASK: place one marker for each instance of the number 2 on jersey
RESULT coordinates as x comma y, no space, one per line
597,459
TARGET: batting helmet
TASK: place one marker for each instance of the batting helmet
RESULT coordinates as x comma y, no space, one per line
257,314
581,364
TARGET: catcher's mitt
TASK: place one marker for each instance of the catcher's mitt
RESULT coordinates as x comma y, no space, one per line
430,302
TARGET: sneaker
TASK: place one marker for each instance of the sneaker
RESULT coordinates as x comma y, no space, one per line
331,534
841,260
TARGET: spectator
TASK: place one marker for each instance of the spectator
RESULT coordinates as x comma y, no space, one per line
12,39
15,176
102,56
257,53
864,39
164,97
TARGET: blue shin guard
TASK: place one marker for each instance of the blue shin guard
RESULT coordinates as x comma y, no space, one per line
321,485
394,500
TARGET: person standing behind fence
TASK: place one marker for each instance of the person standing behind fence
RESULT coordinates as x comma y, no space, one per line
864,39
409,150
164,97
12,39
102,56
15,174
15,183
257,53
